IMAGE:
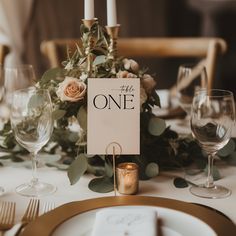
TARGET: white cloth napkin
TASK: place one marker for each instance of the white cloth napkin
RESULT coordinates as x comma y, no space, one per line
129,221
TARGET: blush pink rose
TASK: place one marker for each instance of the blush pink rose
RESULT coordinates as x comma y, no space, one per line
143,96
71,89
148,83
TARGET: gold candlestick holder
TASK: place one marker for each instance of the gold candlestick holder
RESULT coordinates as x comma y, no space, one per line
112,49
90,43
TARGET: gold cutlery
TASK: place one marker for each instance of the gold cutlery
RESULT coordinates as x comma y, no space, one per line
31,213
48,206
7,215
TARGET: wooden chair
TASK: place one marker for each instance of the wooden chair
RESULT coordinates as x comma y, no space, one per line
203,48
4,50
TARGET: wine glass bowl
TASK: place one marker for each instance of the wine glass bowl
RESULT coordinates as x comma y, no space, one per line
212,120
191,78
11,79
32,125
19,77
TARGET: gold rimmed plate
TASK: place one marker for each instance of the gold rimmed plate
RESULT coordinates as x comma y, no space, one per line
174,217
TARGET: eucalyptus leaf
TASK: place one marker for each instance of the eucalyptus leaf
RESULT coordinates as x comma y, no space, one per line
99,60
82,118
58,114
156,126
227,149
73,137
231,160
103,157
88,155
51,74
49,158
6,157
67,161
108,169
96,170
141,161
201,163
77,168
101,185
152,170
36,100
215,172
17,148
59,166
157,99
180,183
17,159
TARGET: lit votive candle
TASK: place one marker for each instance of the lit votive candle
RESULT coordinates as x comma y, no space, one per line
127,178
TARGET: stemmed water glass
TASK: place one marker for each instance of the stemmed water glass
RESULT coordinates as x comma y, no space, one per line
191,78
13,78
212,119
18,77
32,124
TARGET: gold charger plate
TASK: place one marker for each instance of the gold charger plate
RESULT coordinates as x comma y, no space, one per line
47,223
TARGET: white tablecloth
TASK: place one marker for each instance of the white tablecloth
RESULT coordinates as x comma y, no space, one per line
161,186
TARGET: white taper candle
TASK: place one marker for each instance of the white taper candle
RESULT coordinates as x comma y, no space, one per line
111,13
88,9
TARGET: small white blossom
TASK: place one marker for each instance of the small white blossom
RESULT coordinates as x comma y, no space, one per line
130,64
125,74
69,66
83,77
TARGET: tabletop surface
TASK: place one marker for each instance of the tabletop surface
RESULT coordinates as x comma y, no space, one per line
160,186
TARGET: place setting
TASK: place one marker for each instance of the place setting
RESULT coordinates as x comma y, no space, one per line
100,138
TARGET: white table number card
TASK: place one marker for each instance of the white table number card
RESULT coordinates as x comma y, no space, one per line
113,115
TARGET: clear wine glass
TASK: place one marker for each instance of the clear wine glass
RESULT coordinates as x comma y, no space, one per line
191,78
14,78
32,124
19,77
212,119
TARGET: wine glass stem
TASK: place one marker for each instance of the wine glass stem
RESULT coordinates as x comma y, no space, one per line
34,179
210,180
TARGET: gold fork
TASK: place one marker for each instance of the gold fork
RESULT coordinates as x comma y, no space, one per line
7,215
48,206
31,213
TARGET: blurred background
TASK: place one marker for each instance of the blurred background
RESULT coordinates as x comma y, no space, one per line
24,24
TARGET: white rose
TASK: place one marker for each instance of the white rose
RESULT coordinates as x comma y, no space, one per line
130,64
125,74
71,89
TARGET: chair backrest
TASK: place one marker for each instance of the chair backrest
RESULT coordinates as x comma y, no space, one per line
203,48
4,50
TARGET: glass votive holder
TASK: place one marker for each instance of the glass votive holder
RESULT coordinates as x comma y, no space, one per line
127,178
